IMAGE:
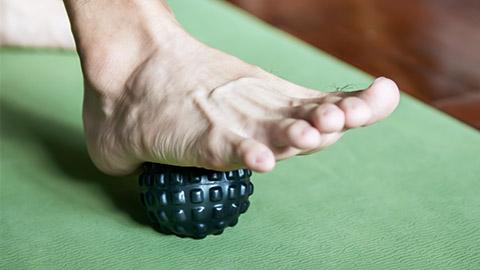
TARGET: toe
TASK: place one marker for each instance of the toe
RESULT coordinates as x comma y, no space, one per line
356,110
327,140
325,117
295,133
328,118
255,155
225,150
382,97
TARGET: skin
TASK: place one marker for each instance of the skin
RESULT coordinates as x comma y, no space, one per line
39,24
154,93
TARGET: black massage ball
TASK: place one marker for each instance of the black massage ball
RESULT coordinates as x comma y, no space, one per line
194,202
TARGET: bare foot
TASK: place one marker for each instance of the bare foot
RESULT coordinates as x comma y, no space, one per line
154,93
187,104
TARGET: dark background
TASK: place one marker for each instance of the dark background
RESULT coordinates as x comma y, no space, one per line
431,48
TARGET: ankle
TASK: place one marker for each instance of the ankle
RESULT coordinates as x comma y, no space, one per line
112,44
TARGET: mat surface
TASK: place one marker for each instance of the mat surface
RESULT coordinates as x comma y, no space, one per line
403,194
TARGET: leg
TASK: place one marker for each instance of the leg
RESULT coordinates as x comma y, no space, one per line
154,93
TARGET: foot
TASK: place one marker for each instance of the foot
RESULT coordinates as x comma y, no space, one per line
183,103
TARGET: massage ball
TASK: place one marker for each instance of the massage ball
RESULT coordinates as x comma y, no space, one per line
194,202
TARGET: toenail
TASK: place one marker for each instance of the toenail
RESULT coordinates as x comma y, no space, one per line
353,103
262,157
307,131
329,111
381,78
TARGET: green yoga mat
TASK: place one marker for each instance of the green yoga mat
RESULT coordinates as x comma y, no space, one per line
403,194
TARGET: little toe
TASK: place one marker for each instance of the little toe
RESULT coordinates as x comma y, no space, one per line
356,110
226,150
295,133
255,155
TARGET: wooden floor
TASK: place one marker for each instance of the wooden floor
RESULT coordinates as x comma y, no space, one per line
431,48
